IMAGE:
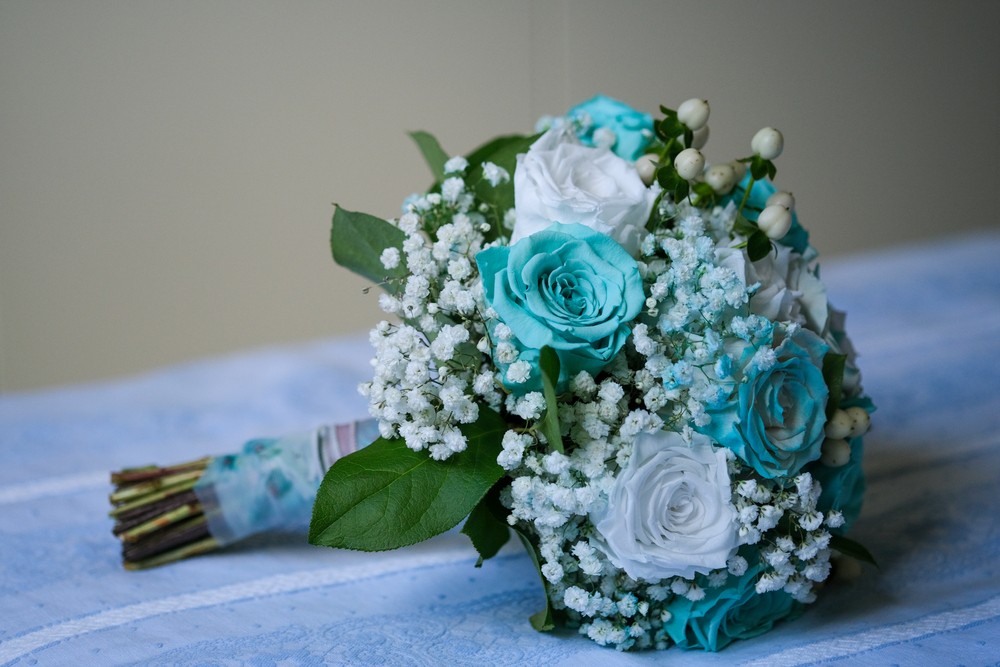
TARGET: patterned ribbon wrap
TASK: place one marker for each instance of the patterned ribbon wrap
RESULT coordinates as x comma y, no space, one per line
273,482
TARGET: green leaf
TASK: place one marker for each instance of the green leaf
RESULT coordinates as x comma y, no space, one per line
758,168
387,496
548,361
666,176
758,246
433,154
855,550
669,113
502,152
744,226
681,190
486,526
833,374
357,241
771,169
541,621
688,137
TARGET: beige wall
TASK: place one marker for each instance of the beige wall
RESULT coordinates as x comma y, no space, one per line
167,168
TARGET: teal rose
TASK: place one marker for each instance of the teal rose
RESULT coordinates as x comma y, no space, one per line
732,611
567,287
775,421
632,129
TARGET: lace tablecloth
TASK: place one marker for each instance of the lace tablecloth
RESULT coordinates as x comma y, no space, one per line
926,320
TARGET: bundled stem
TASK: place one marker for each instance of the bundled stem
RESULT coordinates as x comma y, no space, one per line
158,516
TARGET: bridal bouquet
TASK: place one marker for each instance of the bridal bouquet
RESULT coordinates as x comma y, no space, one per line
599,342
621,354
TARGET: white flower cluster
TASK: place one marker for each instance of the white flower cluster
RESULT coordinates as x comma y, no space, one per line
429,372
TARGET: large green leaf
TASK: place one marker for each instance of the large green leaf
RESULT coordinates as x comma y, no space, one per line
548,361
543,620
387,496
433,154
357,241
486,526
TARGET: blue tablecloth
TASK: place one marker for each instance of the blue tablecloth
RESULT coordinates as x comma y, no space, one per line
925,319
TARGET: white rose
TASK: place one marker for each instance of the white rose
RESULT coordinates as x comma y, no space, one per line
560,180
669,512
788,291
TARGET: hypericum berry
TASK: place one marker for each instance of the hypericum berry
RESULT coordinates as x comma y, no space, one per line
767,143
646,166
699,138
722,178
839,425
775,221
693,113
835,452
740,169
689,163
782,198
862,420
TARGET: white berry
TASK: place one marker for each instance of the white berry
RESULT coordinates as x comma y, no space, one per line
839,425
862,420
835,452
693,113
722,178
775,221
767,143
783,198
699,138
646,166
740,169
689,163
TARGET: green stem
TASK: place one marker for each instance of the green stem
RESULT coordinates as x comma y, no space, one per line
746,195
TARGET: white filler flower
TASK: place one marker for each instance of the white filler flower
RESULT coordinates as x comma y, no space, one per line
560,180
669,513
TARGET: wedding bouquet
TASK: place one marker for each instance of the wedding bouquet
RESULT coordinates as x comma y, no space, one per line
621,354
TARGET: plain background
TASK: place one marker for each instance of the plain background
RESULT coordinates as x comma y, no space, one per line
167,168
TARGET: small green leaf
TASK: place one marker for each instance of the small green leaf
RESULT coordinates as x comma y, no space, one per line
758,246
681,190
771,170
833,374
357,241
433,154
688,138
486,527
855,550
548,361
744,226
541,621
669,113
667,177
387,496
758,168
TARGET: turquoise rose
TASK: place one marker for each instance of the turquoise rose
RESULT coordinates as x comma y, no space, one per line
775,422
731,611
567,287
634,129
